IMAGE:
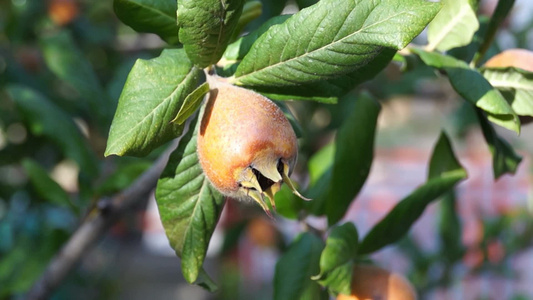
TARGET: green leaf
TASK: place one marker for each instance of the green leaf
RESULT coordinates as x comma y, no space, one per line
269,9
504,158
353,156
238,49
191,103
516,85
44,118
294,269
206,28
151,98
320,162
189,206
339,280
288,204
444,173
251,10
450,229
67,62
330,91
153,16
341,247
474,88
331,38
454,26
122,177
45,186
292,119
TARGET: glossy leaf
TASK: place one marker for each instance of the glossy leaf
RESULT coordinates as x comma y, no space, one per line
504,158
341,247
153,16
151,98
330,91
454,26
444,173
238,49
331,38
44,118
67,62
45,186
353,156
516,85
473,87
189,207
294,269
191,103
206,27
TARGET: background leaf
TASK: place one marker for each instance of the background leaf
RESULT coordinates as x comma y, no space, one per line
189,207
331,38
153,16
294,269
45,186
238,49
504,158
353,156
454,26
46,119
473,87
305,3
444,173
502,10
516,85
341,247
151,98
206,27
67,62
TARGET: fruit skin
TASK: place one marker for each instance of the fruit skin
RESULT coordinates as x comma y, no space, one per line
246,145
373,283
518,58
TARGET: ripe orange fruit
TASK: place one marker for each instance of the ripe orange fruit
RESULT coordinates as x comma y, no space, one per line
518,58
246,145
262,233
373,283
62,12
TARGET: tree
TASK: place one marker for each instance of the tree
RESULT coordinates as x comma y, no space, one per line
325,53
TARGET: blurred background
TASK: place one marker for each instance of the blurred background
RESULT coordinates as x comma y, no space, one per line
65,62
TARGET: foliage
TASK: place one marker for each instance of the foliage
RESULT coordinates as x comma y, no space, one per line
324,53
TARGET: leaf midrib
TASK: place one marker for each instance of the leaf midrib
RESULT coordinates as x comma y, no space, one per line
304,55
141,122
463,10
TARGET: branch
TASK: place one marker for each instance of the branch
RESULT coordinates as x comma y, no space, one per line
95,227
